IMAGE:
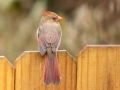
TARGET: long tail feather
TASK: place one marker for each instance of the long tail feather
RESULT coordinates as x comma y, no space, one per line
51,71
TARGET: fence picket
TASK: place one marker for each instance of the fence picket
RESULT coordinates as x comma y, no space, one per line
101,64
6,74
30,66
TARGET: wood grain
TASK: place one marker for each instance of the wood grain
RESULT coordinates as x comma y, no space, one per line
6,74
98,68
30,68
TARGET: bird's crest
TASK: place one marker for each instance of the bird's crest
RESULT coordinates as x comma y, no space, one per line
46,12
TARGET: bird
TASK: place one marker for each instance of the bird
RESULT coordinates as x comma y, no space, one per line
49,35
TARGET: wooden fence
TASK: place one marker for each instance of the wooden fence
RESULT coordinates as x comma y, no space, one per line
99,68
96,68
29,72
6,74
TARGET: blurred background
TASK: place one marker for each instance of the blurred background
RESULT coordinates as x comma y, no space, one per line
85,22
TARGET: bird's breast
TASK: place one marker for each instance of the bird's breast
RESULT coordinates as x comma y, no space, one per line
50,32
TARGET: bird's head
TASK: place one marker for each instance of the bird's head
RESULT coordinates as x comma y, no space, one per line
51,16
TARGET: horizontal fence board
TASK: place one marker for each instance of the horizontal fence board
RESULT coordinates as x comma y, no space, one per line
6,75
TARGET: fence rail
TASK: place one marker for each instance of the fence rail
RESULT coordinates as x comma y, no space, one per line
96,68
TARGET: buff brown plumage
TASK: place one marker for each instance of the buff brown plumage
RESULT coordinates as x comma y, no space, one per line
49,36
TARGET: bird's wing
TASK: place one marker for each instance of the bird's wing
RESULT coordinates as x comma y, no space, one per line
49,35
41,42
56,44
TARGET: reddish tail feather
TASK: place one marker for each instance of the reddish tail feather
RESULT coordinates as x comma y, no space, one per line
51,71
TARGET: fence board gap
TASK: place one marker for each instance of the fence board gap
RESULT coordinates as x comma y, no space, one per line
74,75
18,73
84,70
79,73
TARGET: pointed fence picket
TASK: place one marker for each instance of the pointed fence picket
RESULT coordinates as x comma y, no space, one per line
29,72
98,68
6,74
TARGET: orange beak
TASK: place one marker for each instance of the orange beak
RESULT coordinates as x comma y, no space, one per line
58,19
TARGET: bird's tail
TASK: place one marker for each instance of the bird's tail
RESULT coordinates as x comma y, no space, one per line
51,70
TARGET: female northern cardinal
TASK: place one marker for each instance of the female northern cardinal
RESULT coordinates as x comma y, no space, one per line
49,37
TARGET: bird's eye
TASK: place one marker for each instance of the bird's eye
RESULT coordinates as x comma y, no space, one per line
54,19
